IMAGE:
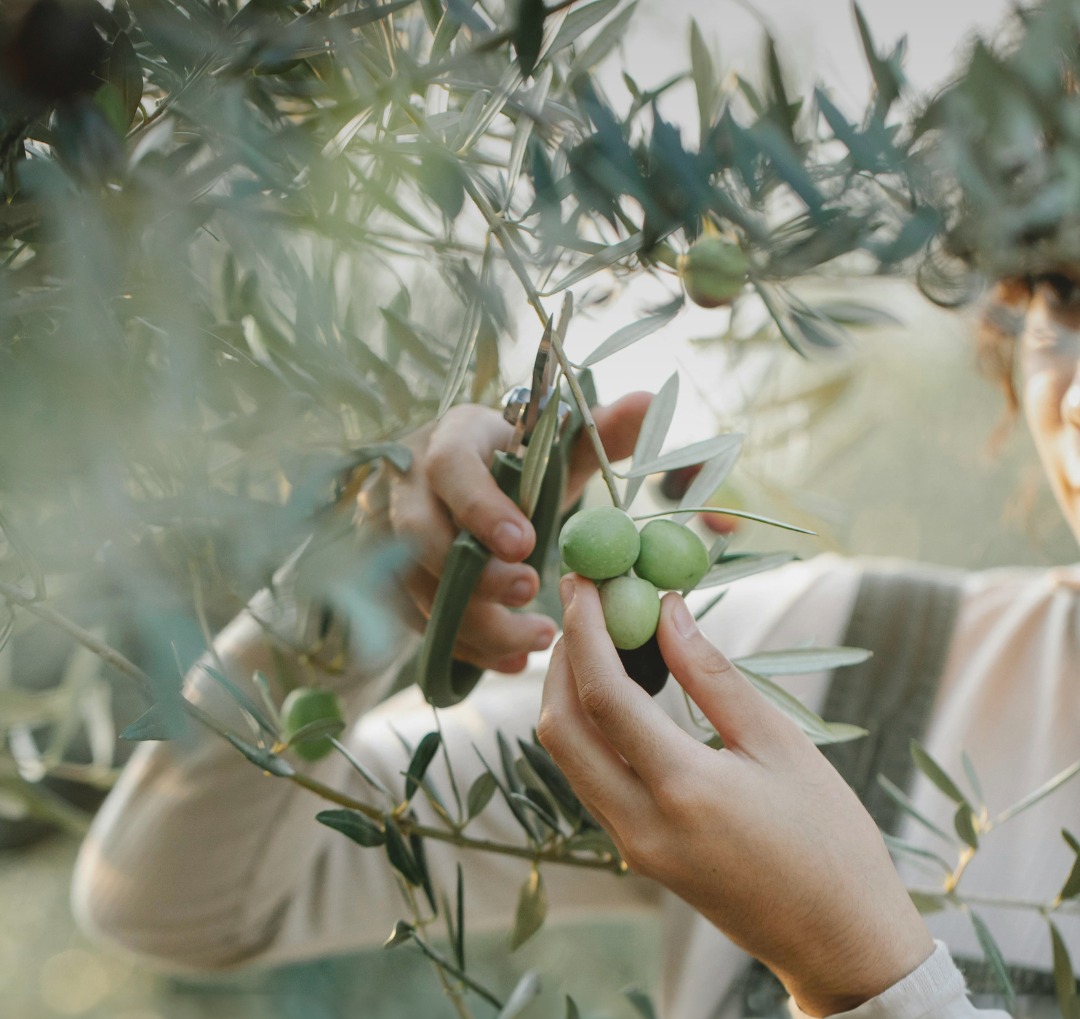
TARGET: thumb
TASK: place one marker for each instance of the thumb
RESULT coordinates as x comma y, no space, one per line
744,719
618,426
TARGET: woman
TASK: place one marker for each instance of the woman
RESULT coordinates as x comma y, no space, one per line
196,860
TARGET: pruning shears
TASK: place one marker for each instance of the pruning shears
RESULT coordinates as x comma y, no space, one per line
443,679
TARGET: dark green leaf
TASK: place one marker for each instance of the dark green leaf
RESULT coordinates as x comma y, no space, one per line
572,1011
399,854
529,34
531,910
964,822
480,793
421,761
553,780
125,73
459,933
416,846
319,729
641,1001
356,826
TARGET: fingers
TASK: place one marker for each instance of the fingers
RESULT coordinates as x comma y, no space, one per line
458,470
603,781
490,632
744,719
618,426
630,720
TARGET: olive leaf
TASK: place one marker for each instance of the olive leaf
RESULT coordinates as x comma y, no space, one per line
711,476
654,429
531,910
630,334
421,761
743,564
641,1001
538,456
572,1011
480,794
965,823
356,826
526,989
995,960
926,903
157,723
1064,976
899,845
933,771
903,801
1041,793
820,731
1071,888
264,759
799,661
529,34
399,854
687,456
553,780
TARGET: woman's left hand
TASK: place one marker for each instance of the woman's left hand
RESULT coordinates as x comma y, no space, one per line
764,838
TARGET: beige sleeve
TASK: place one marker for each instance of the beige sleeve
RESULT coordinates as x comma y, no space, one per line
198,860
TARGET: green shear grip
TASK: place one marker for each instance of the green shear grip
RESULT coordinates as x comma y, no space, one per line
444,680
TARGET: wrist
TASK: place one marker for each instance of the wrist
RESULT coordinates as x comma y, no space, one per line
847,977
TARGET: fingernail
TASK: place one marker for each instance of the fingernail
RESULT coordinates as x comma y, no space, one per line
521,591
508,539
543,640
680,616
566,591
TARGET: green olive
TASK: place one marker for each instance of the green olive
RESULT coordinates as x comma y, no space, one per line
599,543
713,272
672,556
304,708
631,611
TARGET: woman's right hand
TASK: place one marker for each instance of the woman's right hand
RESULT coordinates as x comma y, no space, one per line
763,838
449,487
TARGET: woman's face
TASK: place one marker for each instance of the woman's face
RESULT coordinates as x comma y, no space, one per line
1048,360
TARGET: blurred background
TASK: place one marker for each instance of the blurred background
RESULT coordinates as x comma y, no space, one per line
886,451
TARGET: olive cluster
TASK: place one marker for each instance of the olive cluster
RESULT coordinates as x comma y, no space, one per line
604,545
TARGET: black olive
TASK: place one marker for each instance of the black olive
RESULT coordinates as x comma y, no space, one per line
645,665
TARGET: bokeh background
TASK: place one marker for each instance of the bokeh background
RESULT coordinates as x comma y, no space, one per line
896,459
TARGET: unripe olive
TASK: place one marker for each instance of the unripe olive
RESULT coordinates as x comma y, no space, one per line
713,271
631,611
599,543
304,706
672,556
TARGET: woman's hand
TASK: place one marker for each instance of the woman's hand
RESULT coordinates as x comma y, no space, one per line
450,487
763,837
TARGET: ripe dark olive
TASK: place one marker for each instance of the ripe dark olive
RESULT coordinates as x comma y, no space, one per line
599,543
645,665
672,556
304,707
631,611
